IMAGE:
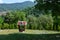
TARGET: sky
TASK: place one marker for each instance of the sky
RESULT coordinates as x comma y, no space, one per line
14,1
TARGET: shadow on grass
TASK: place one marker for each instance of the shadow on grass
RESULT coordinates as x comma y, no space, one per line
21,36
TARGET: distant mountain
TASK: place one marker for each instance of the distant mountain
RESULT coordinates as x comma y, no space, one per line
16,6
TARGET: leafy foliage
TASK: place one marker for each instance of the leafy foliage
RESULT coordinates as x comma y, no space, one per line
47,5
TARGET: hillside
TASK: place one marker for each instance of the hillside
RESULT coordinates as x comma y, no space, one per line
16,6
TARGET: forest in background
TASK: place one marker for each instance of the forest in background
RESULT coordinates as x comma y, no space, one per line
45,15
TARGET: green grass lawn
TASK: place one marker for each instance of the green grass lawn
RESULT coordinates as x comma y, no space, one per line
14,34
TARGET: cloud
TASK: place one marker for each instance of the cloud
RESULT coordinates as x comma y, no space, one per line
1,1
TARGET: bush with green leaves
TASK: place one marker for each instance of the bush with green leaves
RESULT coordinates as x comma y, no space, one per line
45,22
1,20
32,22
41,22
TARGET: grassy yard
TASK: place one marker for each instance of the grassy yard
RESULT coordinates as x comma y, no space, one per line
14,34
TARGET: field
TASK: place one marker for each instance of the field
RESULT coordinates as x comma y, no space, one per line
14,34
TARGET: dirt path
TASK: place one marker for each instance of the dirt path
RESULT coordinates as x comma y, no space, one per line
27,31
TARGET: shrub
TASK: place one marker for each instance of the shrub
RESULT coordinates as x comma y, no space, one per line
6,26
32,22
45,22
